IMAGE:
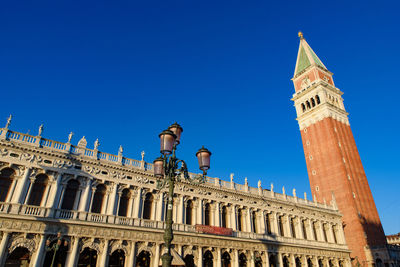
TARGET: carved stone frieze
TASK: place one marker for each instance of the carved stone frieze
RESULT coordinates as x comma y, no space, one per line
62,164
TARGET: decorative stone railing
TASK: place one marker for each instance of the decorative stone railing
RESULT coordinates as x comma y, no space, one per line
96,218
40,142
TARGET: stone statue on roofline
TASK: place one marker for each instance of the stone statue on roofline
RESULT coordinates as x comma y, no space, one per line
96,144
40,130
8,121
70,137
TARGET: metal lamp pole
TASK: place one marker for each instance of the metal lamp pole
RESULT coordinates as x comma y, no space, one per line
172,169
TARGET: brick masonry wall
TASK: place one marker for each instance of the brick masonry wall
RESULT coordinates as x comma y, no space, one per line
334,165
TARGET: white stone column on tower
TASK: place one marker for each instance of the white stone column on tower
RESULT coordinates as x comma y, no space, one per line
137,205
73,255
46,194
21,186
200,211
91,199
3,247
219,259
37,258
106,201
130,206
103,259
157,256
292,260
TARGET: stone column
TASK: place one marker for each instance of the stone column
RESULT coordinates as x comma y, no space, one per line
91,199
104,255
12,190
73,255
28,194
46,194
217,215
280,260
155,208
55,192
112,199
274,224
137,208
249,225
236,258
21,186
60,201
261,222
252,258
106,201
315,262
37,259
83,204
157,256
119,203
180,210
292,260
132,257
266,261
219,259
200,257
233,218
3,247
129,214
200,213
160,207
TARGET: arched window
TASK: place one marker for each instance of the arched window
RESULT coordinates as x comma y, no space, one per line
189,261
242,260
298,262
70,195
303,107
281,227
98,198
124,202
285,261
292,228
189,211
147,206
6,178
143,259
239,220
87,257
207,214
117,259
19,257
317,99
37,190
254,221
303,225
208,259
312,102
268,223
224,215
308,105
226,260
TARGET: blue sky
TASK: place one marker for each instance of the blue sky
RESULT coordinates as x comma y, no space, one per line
123,71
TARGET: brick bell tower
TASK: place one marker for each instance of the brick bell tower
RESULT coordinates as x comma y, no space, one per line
333,163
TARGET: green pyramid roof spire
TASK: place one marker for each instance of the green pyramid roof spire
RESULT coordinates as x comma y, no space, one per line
306,57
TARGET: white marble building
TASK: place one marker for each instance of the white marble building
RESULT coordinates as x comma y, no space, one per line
110,213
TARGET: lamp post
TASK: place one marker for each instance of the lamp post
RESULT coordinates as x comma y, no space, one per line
169,167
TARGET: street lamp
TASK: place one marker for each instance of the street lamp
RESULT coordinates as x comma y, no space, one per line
172,169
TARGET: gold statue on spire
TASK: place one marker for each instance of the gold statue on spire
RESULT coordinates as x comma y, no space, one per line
301,35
